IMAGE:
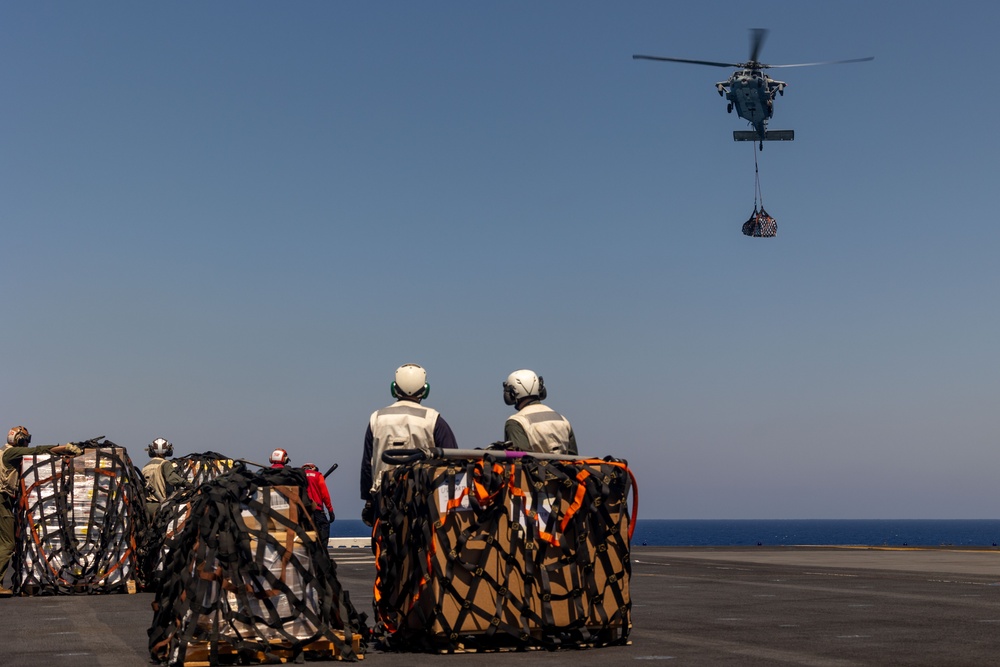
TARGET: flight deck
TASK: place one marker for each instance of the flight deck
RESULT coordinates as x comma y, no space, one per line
814,606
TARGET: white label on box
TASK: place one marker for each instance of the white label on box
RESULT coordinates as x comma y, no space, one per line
458,503
540,502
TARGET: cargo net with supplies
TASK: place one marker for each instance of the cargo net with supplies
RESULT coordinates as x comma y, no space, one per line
78,520
760,224
174,512
503,551
198,469
245,581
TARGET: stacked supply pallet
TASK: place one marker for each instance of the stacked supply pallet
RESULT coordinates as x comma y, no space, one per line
78,519
201,468
249,579
173,513
491,552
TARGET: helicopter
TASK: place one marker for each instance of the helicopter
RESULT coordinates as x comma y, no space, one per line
750,91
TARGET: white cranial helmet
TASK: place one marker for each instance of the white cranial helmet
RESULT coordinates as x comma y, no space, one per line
411,382
160,447
522,384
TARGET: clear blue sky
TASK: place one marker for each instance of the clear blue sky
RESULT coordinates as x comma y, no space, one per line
228,223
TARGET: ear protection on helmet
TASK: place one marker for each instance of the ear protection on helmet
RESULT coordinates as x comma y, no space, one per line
18,437
509,395
421,395
160,447
520,383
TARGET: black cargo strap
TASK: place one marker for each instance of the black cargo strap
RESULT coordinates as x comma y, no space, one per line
78,524
196,469
213,586
555,514
201,468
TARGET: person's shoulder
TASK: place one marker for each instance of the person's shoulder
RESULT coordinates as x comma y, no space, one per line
375,413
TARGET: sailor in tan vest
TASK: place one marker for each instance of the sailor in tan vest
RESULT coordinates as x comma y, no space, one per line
161,475
406,425
535,427
17,447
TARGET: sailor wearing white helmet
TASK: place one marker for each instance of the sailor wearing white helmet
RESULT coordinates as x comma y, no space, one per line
161,475
404,424
535,427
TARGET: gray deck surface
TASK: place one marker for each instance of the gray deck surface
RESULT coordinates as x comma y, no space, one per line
691,606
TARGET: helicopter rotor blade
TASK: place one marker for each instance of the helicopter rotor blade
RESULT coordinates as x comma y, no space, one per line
757,38
825,62
710,63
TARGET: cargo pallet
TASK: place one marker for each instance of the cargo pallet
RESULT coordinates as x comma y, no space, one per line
536,641
33,590
199,654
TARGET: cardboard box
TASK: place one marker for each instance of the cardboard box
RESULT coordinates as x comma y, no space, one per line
509,566
271,610
70,545
281,500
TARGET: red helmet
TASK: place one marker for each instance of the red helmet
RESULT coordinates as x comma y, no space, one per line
310,466
279,456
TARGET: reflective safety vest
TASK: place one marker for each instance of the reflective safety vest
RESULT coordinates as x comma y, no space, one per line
8,475
404,424
156,483
547,430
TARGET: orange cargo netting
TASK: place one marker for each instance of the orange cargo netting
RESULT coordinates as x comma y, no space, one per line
504,551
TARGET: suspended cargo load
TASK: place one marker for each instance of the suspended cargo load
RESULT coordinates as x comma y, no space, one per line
78,522
760,224
248,580
480,550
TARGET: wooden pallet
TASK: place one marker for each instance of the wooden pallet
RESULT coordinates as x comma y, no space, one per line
33,590
473,648
476,642
199,653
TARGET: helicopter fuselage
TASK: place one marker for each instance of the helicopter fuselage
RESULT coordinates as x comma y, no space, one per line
751,93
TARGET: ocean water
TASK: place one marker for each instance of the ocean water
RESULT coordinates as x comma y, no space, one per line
875,532
750,532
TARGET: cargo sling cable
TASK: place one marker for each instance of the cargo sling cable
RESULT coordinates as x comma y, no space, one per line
760,223
78,522
230,589
454,580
